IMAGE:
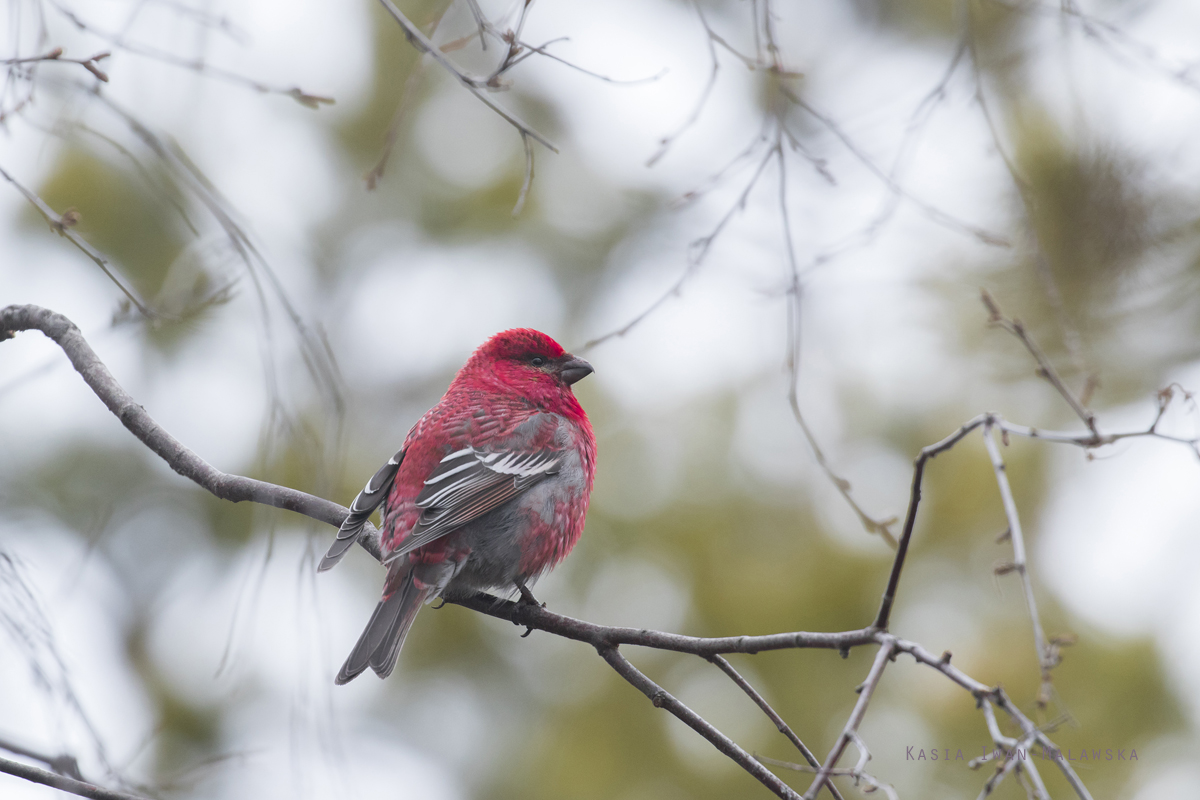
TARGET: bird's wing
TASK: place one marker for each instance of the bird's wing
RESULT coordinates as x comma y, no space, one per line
469,483
374,493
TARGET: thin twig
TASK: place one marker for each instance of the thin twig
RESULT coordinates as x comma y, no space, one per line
532,50
63,764
850,732
795,295
698,250
1070,332
317,357
782,726
133,416
1012,763
406,98
664,699
910,519
481,22
62,782
931,211
1047,658
840,772
605,639
1045,368
1111,39
666,142
891,203
883,527
91,64
774,131
1009,747
475,86
197,65
1032,731
62,224
528,175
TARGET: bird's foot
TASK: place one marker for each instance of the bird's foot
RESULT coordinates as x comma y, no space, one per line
527,599
526,595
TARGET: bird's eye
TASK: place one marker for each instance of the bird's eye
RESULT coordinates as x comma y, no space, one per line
537,361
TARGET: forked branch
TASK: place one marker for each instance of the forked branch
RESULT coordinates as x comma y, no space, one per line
606,639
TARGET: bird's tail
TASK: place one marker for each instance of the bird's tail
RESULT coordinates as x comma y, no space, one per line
380,643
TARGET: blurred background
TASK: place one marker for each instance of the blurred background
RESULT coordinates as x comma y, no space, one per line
823,201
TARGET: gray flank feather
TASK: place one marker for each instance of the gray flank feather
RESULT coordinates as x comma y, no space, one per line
372,495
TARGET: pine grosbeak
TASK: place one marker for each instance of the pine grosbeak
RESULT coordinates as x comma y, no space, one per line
489,490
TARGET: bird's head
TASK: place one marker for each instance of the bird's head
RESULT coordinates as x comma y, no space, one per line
527,362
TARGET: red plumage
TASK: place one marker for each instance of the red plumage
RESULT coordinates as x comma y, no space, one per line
489,490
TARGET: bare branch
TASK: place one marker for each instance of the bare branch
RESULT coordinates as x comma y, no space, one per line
528,175
1070,332
783,727
1047,657
531,50
887,650
528,615
406,98
133,416
883,527
63,764
840,772
910,519
1012,763
91,64
474,85
664,699
1045,368
62,224
667,141
697,251
605,639
481,22
934,213
1118,43
197,65
62,782
795,296
774,131
1031,731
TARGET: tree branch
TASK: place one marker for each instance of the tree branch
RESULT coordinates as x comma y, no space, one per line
197,64
910,519
133,416
61,764
473,85
605,639
91,64
850,733
664,699
1045,368
62,224
528,615
62,782
783,727
1047,655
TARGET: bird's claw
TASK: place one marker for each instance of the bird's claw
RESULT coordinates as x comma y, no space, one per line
527,597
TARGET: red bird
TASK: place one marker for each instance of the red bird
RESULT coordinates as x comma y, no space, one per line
489,490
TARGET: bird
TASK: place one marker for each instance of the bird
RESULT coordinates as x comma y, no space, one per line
489,490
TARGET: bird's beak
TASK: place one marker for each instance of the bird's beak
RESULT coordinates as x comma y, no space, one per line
574,369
